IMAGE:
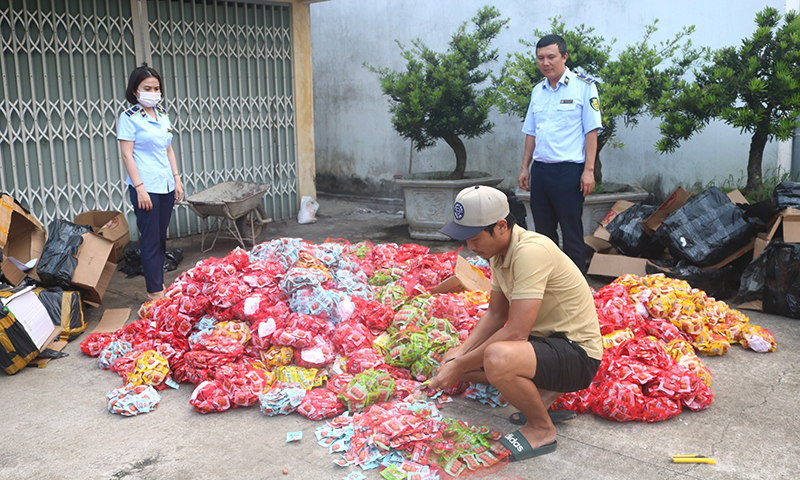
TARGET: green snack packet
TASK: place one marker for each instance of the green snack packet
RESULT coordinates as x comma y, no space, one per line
393,473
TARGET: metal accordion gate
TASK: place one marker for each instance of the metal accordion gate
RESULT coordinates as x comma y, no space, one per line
227,74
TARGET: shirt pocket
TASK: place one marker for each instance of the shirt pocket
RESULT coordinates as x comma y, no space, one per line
567,113
166,135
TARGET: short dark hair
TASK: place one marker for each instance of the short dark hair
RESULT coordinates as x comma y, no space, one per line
553,39
510,220
137,76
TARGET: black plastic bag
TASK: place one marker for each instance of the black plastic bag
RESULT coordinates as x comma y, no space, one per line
782,279
626,233
786,195
65,310
751,284
516,208
59,258
706,229
133,259
719,283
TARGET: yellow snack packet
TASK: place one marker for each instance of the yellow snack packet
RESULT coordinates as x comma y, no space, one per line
151,369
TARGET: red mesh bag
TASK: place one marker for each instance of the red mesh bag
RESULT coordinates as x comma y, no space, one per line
320,403
238,258
241,382
94,343
292,337
336,382
229,292
350,337
364,359
210,397
313,324
254,307
375,315
316,355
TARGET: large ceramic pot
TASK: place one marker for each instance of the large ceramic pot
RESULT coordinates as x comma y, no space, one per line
596,205
429,201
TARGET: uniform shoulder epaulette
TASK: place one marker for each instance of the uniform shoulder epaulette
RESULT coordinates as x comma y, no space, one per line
161,109
540,82
586,78
133,110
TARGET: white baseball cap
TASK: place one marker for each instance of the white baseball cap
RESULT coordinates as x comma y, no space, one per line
475,209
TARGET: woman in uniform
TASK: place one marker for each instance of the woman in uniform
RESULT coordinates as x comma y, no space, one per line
145,135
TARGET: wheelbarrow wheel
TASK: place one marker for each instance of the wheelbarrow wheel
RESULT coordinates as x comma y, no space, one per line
244,225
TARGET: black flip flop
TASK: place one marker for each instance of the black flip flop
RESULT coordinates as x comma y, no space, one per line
521,449
555,416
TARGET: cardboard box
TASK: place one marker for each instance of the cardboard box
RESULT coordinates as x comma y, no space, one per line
606,265
790,219
95,268
616,209
466,277
32,315
791,225
110,224
672,203
21,237
113,319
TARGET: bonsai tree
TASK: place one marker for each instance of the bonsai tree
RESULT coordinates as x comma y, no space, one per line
632,85
755,88
438,95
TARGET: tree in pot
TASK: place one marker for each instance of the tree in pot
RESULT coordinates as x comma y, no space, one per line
439,95
755,88
632,85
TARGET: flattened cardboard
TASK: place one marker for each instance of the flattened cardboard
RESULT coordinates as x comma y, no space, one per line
674,202
466,277
93,272
757,305
596,244
606,265
111,225
760,245
737,197
112,320
21,237
618,208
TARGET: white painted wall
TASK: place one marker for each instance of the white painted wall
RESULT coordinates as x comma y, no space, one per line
354,135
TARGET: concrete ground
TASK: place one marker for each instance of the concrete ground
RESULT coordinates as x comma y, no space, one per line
56,426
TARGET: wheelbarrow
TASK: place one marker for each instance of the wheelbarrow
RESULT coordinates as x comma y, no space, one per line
235,206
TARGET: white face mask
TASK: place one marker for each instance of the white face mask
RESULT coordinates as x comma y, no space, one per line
149,99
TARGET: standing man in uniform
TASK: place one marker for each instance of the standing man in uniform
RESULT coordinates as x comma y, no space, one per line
540,336
561,129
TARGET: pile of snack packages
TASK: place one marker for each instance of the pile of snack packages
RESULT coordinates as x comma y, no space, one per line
348,331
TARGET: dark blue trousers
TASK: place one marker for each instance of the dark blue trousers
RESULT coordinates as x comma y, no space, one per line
153,225
556,199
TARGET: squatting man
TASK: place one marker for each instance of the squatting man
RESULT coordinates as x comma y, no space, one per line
540,336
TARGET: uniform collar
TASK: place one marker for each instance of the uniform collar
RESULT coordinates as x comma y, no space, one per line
505,261
564,80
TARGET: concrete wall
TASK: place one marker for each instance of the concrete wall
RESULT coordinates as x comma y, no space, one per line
357,149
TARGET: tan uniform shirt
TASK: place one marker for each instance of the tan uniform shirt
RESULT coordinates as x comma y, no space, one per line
535,268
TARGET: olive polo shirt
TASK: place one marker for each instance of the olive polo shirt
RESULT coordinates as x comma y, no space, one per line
535,268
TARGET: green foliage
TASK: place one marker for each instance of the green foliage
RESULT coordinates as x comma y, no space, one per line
632,85
770,180
755,88
438,95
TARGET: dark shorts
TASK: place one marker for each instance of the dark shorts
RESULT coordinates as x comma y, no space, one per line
561,364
